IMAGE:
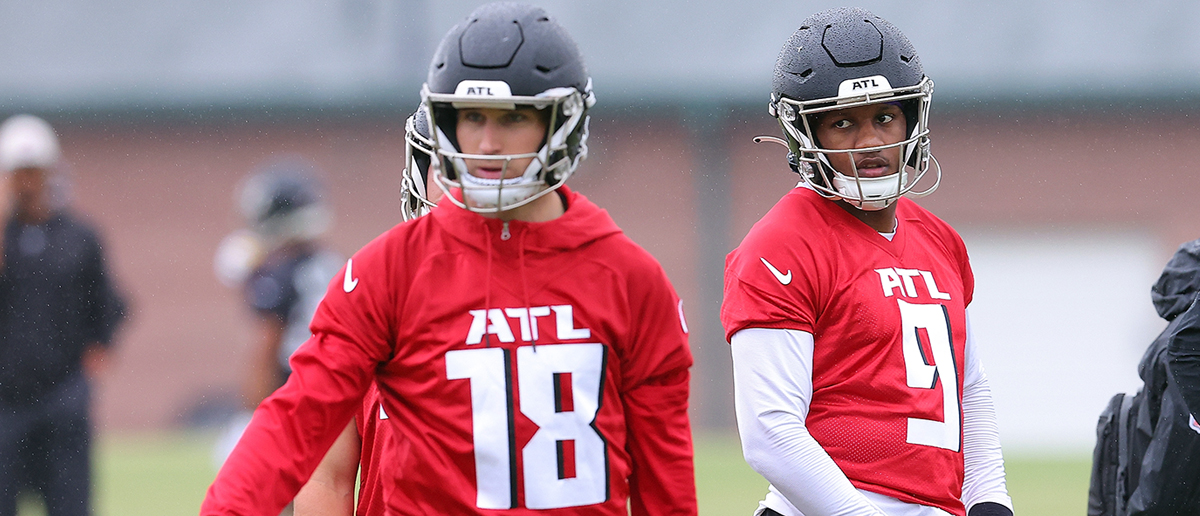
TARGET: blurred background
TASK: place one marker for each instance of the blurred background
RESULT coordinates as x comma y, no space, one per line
1065,130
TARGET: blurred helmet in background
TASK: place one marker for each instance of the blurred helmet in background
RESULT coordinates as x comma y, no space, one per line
285,199
27,141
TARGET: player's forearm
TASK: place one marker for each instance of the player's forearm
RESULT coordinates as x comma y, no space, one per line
772,386
290,433
330,490
983,460
779,448
320,499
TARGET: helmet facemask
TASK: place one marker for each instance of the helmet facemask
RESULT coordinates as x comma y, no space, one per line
418,159
563,147
798,117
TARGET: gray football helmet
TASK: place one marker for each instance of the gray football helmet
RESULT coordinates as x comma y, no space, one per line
845,58
506,55
285,199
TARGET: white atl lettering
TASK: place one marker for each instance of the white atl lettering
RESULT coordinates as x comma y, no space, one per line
489,321
495,321
932,286
894,279
907,275
566,324
522,315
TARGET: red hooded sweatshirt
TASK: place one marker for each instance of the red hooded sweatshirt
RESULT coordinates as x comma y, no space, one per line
524,367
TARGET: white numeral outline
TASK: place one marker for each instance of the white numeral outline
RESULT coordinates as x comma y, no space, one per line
492,400
934,319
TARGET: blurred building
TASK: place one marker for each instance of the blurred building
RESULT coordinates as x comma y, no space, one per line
1064,130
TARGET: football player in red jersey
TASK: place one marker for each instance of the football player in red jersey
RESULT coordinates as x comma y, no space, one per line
330,490
529,356
858,389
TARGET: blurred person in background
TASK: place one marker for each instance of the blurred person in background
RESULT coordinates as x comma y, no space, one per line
59,310
351,461
282,267
858,387
530,357
1147,456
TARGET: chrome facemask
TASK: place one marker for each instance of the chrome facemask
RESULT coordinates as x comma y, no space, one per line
550,166
871,194
414,199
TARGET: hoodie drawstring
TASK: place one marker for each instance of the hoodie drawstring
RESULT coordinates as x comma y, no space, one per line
524,282
487,284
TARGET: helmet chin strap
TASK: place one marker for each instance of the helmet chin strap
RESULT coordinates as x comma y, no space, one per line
872,205
864,193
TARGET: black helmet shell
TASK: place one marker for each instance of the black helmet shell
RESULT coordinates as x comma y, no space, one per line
841,44
516,43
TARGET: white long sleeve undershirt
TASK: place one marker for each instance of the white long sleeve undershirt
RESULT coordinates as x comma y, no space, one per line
772,371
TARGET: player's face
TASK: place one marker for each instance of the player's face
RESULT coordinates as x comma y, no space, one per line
862,127
489,131
28,184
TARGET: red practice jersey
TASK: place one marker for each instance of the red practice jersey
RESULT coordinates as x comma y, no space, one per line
525,368
889,328
369,422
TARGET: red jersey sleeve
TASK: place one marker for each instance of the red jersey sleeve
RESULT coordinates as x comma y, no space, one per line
769,284
294,427
656,399
370,495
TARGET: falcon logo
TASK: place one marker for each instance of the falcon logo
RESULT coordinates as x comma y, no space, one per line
349,282
783,278
1193,424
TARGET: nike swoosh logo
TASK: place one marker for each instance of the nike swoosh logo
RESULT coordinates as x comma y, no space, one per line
349,282
783,278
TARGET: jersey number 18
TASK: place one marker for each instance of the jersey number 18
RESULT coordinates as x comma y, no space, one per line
565,462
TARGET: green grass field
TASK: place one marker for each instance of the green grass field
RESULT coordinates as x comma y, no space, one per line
167,475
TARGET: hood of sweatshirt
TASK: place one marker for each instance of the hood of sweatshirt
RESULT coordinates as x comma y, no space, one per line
1179,282
581,224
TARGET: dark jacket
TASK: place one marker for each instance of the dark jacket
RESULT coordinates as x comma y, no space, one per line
1183,347
1147,458
56,298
